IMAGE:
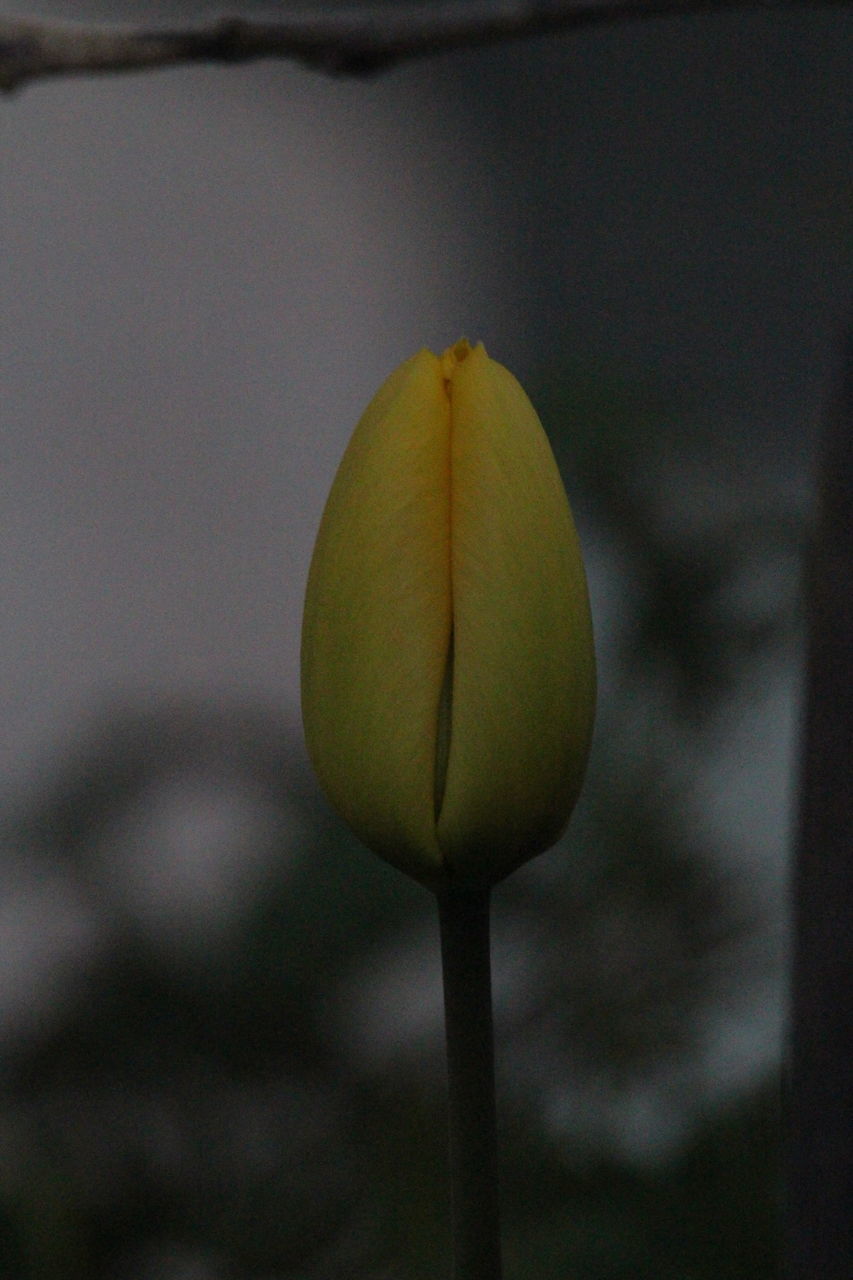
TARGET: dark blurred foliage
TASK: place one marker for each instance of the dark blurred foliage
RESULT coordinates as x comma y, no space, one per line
242,1077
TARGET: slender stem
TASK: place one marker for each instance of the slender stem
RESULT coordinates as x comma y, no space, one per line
466,968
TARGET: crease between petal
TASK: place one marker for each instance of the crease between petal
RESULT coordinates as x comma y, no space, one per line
523,679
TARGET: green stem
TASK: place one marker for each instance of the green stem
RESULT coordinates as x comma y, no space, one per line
466,968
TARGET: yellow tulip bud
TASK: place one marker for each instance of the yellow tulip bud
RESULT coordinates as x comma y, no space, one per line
448,673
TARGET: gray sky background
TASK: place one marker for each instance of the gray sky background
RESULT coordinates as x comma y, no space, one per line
205,278
206,274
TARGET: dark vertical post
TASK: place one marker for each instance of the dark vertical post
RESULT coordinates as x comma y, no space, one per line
466,968
820,1130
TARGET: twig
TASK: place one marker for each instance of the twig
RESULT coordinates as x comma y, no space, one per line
341,42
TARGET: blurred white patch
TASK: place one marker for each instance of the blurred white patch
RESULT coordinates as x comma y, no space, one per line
187,860
206,276
393,1006
748,782
48,934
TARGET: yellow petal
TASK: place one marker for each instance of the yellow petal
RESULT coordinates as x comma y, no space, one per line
523,689
377,620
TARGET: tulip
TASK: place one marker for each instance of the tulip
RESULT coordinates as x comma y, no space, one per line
448,674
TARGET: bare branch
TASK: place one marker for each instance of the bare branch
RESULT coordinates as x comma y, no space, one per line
342,42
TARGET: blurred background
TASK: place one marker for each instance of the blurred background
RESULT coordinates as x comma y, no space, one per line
220,1017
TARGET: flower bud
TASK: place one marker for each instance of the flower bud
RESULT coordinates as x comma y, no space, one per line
448,673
